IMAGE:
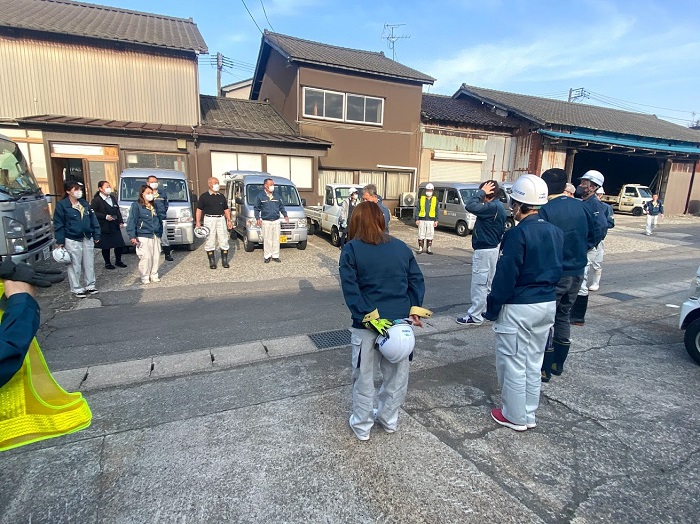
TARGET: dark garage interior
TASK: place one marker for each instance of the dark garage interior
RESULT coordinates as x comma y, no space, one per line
617,169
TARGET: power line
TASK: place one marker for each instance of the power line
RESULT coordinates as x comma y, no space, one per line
265,13
251,17
644,105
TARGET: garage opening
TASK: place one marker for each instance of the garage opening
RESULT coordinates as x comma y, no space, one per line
617,169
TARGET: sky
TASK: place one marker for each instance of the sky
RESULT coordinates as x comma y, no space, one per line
638,55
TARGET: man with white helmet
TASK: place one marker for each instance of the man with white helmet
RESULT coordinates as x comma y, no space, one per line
523,303
346,212
590,182
597,262
426,219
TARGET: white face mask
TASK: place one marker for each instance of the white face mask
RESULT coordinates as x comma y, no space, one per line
353,196
148,197
108,190
271,189
153,185
77,194
428,194
215,187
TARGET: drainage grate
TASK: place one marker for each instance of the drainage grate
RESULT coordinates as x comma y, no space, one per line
619,296
331,339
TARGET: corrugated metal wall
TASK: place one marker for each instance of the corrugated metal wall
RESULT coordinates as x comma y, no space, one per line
677,189
64,79
552,157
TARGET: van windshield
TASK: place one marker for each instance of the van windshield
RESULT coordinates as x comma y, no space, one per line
467,193
175,190
15,177
287,193
644,192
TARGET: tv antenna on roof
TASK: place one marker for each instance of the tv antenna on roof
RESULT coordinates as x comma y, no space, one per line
391,38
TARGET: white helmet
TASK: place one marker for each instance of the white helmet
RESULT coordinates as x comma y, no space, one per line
529,189
353,190
429,186
398,343
201,232
600,191
594,176
61,256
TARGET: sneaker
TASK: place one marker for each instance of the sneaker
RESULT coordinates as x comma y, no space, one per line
503,421
169,258
155,279
119,263
467,321
109,266
531,425
92,291
80,294
145,282
363,437
388,430
420,250
276,260
594,287
267,260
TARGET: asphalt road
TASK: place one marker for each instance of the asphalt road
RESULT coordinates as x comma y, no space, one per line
130,323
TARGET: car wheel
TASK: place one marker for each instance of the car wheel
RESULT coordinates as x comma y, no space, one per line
190,247
248,246
637,211
509,223
301,245
692,340
461,228
335,236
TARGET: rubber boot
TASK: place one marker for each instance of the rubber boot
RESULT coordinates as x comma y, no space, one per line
547,364
420,246
224,258
168,250
595,281
212,259
561,351
429,249
578,311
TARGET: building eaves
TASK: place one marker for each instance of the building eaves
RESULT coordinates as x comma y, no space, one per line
460,111
242,115
548,112
80,19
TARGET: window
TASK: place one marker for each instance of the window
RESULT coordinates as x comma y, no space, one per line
331,105
298,169
630,191
329,196
452,197
157,161
176,190
390,184
223,162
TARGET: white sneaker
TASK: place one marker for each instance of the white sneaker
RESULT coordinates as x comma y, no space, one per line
388,430
155,279
594,287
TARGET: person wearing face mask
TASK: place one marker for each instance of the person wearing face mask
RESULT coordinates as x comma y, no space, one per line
426,214
76,228
213,208
522,303
268,208
161,203
111,222
145,228
486,237
346,209
590,182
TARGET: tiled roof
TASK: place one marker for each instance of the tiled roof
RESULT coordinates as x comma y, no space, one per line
441,108
370,62
242,115
102,22
558,112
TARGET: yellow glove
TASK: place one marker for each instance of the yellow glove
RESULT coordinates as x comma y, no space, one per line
380,325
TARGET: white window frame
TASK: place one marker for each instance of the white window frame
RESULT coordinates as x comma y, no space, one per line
345,107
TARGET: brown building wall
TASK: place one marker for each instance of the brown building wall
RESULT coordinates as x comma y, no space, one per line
279,85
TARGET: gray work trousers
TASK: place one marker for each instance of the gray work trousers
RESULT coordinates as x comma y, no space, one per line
521,334
271,230
365,360
567,290
82,264
483,268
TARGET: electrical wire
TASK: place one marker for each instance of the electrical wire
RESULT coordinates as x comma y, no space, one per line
639,104
251,17
265,13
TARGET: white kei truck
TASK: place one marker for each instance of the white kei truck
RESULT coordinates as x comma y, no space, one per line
690,319
631,199
326,217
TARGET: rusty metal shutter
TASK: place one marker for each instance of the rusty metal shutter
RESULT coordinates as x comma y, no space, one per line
452,171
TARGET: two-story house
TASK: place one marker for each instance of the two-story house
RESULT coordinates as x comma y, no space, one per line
366,104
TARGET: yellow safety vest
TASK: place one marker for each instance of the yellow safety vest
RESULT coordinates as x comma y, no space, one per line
433,206
34,407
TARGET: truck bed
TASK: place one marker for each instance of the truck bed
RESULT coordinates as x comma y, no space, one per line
314,212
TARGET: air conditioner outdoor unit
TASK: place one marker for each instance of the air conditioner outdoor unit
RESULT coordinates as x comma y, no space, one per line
407,199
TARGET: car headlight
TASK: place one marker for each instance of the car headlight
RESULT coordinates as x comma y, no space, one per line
695,288
301,223
14,236
185,215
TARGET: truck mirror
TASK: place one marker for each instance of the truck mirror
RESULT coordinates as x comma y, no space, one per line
239,200
303,202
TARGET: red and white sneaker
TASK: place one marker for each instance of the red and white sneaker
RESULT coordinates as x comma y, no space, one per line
503,421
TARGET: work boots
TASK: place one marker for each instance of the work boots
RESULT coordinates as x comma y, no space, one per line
547,364
168,250
561,351
595,281
420,246
224,258
212,259
578,311
429,249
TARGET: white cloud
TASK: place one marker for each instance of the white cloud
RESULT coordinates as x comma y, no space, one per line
290,7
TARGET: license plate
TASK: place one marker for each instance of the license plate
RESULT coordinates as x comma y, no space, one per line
46,252
283,239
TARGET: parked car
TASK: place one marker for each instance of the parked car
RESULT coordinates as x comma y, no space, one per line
174,184
326,217
452,197
243,187
631,199
690,319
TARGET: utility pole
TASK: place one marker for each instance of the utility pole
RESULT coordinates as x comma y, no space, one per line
219,68
391,38
575,94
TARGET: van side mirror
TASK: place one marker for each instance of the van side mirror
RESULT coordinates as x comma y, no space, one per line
239,200
303,202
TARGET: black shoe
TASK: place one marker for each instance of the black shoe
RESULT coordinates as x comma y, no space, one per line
119,263
267,260
109,266
276,260
169,257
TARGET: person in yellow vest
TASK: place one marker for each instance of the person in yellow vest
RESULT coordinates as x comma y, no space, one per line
33,406
426,219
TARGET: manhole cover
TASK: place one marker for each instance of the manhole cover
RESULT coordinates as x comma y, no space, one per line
619,296
331,339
